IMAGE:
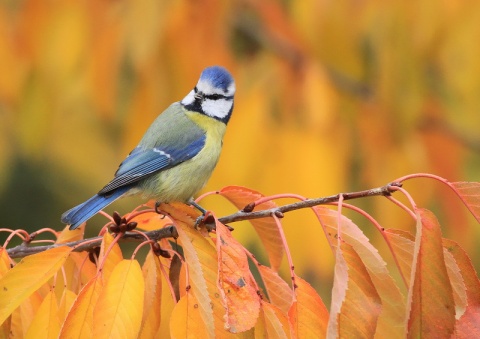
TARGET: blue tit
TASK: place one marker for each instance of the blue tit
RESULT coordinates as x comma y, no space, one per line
177,154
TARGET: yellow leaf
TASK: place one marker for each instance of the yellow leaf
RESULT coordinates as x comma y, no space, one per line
186,320
45,324
78,271
194,246
67,235
23,316
113,257
166,307
4,262
119,309
5,328
152,305
66,303
17,284
79,321
308,315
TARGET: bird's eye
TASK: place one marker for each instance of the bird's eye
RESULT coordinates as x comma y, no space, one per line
199,96
215,96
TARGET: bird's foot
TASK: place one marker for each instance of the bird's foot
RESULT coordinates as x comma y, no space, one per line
157,205
205,218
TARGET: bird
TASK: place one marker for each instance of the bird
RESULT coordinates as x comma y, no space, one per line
178,152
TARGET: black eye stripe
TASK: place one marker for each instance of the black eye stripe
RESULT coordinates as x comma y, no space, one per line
213,96
217,96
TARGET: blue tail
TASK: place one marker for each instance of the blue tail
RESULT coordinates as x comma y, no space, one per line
81,213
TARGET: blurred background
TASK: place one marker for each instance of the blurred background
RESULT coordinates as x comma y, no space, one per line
332,96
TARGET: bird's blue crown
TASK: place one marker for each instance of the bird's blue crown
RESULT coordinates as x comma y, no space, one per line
218,76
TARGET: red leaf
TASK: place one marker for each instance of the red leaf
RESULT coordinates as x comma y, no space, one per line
431,306
468,326
469,192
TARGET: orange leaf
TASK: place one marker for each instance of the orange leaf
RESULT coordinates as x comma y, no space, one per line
356,304
403,244
469,192
119,309
66,303
152,304
431,306
23,316
186,320
167,305
5,331
468,326
45,324
182,212
272,323
279,293
78,270
393,304
114,257
308,315
79,321
266,228
151,221
201,259
236,283
17,284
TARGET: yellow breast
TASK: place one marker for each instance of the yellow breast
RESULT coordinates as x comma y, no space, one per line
182,182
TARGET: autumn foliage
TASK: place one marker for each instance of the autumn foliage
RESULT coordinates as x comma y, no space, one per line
207,284
332,96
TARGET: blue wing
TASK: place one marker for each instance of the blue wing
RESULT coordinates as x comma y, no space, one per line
139,164
81,213
142,163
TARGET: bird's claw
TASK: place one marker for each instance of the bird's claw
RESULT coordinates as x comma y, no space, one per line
199,221
158,211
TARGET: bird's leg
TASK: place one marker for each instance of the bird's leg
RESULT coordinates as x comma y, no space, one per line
197,206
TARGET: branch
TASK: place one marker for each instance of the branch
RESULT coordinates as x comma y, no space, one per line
88,244
247,213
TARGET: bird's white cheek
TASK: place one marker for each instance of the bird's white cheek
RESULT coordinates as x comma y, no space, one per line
217,108
189,99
